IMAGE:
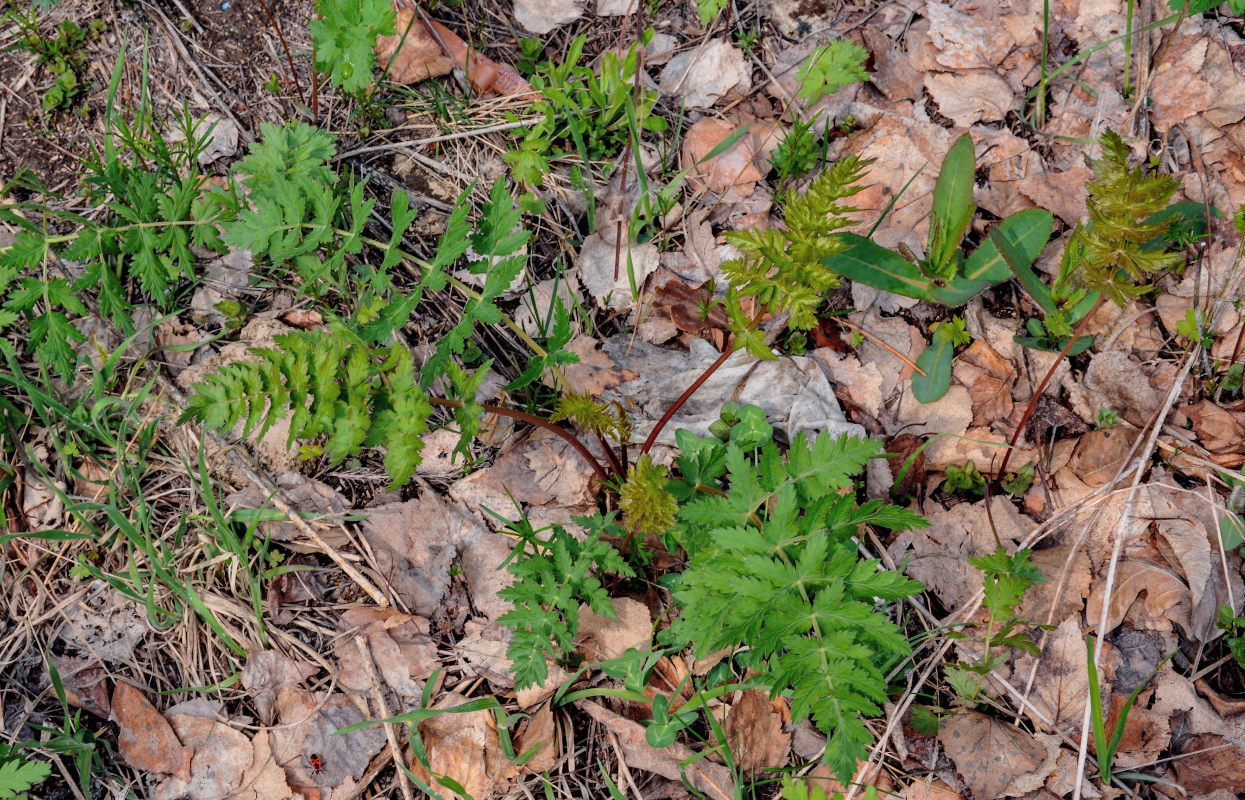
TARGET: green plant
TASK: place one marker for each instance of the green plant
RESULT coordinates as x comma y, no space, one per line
1236,7
583,112
18,775
772,565
945,275
709,10
1007,576
965,480
786,269
799,151
343,35
553,577
936,360
61,53
1191,328
1107,418
1233,628
72,740
1231,380
156,210
838,63
1124,244
1104,748
1018,482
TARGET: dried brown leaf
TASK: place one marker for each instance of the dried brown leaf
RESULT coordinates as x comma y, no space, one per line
146,740
466,748
994,757
754,732
713,779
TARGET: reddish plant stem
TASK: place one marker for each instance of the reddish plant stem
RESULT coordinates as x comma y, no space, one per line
683,398
619,467
532,419
281,37
1050,373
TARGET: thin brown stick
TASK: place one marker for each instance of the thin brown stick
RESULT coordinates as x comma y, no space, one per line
883,344
532,419
677,404
281,38
1050,373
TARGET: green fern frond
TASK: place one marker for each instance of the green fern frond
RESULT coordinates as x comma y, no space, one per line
1112,251
645,502
606,419
783,268
351,393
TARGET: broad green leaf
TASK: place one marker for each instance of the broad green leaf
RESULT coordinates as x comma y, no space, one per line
880,268
936,361
1027,230
953,197
1019,266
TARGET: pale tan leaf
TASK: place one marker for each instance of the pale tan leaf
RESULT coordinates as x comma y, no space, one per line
754,732
993,756
713,779
466,748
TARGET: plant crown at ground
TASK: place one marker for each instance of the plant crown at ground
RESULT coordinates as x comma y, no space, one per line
773,565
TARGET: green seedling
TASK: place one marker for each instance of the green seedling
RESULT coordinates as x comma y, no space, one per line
1006,579
1233,628
1193,328
1018,482
583,111
965,480
61,53
1105,748
944,275
832,66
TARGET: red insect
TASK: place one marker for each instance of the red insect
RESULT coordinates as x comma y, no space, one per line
316,763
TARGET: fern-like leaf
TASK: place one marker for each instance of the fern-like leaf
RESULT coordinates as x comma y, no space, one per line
773,565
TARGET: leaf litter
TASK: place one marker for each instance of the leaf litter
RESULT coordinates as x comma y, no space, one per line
1151,562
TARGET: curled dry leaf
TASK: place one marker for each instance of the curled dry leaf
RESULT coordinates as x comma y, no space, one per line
267,674
1061,683
86,683
1213,762
712,779
539,731
754,732
399,647
735,167
483,649
929,789
937,556
416,52
322,508
996,759
415,544
465,748
308,723
602,638
411,54
540,471
704,73
146,740
226,764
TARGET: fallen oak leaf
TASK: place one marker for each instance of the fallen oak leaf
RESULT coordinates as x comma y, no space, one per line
146,740
712,779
